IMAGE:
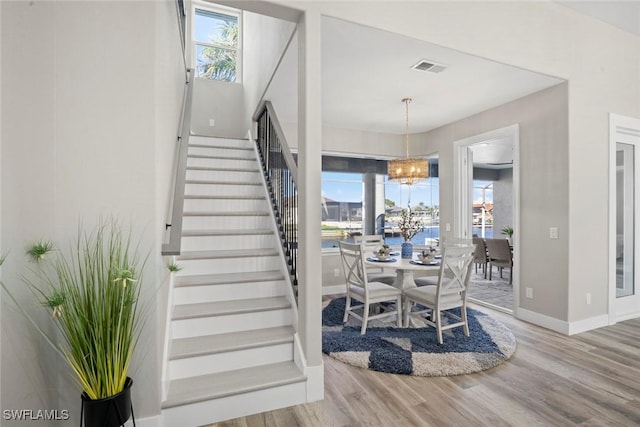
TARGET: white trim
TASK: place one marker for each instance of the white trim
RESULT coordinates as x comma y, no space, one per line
625,130
155,421
627,316
334,289
461,187
315,382
544,321
166,348
588,324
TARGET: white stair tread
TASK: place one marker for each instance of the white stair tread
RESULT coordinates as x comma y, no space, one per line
224,279
235,253
207,168
224,147
207,182
213,386
205,156
231,232
230,213
222,308
211,344
230,197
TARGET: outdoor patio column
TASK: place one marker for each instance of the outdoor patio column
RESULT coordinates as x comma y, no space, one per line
369,208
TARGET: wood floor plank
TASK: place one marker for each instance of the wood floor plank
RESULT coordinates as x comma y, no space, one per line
588,380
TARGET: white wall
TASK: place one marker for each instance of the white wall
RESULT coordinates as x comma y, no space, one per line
548,38
86,130
502,202
231,105
351,143
265,39
542,119
223,102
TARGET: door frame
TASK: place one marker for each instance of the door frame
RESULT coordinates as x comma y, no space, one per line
624,130
463,193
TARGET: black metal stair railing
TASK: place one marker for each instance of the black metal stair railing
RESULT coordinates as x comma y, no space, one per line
280,171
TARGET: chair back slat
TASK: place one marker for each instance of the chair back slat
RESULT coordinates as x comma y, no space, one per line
369,244
454,270
353,264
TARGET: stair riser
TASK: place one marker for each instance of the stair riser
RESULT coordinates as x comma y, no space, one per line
243,241
226,222
224,190
227,361
230,265
222,152
225,205
221,142
239,405
222,162
230,323
233,291
224,176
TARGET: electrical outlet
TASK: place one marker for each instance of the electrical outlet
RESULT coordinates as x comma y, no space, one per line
529,292
588,297
212,122
336,272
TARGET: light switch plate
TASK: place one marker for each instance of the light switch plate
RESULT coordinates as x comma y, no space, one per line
553,232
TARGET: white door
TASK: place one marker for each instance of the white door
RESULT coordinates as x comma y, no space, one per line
624,295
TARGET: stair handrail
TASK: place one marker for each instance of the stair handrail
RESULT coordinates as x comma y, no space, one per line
175,222
281,174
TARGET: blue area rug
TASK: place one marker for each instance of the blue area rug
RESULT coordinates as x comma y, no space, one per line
415,351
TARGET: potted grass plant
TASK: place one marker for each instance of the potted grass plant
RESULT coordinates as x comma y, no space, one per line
93,294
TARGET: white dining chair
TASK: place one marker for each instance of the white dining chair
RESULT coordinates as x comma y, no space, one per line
370,243
367,293
450,292
432,279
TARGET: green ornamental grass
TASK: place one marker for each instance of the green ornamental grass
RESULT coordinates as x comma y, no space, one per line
94,296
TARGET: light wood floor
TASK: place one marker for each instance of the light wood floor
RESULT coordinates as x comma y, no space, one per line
591,379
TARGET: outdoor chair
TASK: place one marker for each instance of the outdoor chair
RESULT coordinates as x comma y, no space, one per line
480,255
499,254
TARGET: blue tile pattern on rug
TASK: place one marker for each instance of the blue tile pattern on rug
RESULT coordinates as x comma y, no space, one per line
394,350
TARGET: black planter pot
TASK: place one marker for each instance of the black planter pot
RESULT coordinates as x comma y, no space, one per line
111,411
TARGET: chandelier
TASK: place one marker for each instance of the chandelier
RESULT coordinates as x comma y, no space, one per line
410,169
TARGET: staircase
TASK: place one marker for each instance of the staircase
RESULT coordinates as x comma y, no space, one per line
232,336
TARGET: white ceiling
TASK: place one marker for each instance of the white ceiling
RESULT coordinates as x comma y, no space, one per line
622,14
366,72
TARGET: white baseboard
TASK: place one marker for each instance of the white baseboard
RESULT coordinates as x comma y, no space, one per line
627,316
588,324
334,289
561,326
543,320
145,422
315,382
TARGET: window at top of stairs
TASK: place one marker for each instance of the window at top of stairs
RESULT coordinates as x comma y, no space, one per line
216,43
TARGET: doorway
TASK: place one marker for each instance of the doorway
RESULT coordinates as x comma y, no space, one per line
486,203
624,182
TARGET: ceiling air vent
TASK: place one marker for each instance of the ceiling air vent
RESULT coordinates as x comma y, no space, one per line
430,66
